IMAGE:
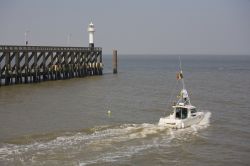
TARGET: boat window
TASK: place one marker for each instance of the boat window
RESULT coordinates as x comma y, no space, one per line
181,113
193,111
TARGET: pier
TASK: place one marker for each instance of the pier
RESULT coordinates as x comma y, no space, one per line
32,64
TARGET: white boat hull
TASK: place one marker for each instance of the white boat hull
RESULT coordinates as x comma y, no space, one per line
173,122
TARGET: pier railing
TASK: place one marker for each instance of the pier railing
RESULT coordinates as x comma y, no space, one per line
46,48
27,64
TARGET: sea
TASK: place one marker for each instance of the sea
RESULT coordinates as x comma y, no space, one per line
113,119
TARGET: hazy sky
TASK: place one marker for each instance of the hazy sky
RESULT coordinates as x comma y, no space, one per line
131,26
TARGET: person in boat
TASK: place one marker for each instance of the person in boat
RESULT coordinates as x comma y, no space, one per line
185,100
184,95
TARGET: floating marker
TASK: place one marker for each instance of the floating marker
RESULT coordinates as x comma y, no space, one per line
109,113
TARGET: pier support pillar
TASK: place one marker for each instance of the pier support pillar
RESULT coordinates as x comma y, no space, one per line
114,61
7,68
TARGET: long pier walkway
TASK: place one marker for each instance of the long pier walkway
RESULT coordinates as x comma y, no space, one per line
31,64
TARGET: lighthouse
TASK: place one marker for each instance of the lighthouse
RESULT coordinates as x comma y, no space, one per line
91,30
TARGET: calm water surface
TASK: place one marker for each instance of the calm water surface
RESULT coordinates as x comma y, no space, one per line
66,122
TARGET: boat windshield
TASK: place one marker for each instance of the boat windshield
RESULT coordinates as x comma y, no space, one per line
193,112
181,113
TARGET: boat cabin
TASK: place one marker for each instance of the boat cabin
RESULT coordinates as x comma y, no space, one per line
184,111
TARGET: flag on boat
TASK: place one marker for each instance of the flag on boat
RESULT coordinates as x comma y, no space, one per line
179,75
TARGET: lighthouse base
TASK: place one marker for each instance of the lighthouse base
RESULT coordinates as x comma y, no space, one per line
91,45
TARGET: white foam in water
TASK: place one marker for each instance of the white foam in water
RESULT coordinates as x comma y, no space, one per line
149,129
172,133
114,156
144,136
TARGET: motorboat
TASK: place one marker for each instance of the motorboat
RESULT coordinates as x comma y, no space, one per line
184,114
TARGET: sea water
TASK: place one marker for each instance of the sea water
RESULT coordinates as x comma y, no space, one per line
68,122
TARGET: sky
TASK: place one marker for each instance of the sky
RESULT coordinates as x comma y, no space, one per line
203,27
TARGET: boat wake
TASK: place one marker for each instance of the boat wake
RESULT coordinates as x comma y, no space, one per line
96,145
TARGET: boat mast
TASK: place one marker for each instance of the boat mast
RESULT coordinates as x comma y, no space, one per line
182,79
183,85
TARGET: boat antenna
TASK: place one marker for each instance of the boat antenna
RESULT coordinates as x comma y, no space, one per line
180,63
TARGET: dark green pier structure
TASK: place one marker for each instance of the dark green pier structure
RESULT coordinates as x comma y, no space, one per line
32,64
